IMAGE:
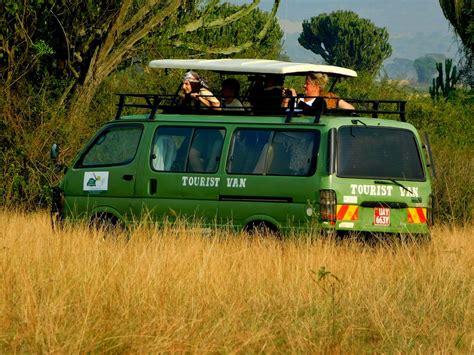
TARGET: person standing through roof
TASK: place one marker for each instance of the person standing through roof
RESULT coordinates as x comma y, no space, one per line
230,92
314,86
270,98
195,89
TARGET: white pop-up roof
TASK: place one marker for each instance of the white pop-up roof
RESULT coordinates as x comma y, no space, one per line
251,66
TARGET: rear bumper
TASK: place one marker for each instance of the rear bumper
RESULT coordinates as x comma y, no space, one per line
359,227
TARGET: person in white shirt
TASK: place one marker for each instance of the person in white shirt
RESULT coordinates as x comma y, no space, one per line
230,92
314,86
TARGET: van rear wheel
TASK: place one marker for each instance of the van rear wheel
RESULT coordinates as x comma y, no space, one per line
261,228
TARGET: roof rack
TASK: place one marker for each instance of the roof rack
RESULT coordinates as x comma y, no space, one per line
373,107
150,101
167,103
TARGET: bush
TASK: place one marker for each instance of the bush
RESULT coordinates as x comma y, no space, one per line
449,125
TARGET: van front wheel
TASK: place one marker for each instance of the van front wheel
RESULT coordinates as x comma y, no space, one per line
106,222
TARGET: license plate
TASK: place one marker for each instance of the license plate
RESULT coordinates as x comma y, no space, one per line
381,216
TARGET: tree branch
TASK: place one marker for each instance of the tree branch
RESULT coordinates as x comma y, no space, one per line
220,22
140,15
109,63
117,27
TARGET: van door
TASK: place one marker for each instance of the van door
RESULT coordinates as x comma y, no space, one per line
181,176
103,178
270,175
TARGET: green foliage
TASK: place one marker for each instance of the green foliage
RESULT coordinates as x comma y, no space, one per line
42,48
460,13
445,83
92,39
205,40
449,125
343,38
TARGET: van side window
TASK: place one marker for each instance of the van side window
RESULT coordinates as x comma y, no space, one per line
114,146
187,149
273,152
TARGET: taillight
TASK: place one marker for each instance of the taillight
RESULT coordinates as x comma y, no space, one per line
327,205
430,212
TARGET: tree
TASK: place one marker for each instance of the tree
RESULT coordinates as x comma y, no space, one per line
460,13
92,39
343,38
426,67
400,69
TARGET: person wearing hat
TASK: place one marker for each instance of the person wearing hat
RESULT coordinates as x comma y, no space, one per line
195,89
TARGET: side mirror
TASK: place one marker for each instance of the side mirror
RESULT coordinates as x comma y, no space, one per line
54,152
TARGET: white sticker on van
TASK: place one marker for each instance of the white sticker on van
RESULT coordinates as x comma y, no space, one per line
349,199
96,181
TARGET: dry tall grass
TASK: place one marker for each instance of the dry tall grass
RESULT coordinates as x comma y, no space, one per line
177,290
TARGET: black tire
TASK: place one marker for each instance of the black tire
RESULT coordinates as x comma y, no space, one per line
108,223
262,228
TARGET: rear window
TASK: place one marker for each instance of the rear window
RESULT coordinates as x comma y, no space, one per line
378,152
273,152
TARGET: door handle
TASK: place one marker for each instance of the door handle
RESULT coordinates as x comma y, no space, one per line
153,184
128,177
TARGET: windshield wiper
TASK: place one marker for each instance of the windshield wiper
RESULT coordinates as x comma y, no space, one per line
358,121
395,182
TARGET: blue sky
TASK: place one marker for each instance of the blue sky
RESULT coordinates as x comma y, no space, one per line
416,27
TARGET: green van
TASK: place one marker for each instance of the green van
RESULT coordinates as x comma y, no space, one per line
288,170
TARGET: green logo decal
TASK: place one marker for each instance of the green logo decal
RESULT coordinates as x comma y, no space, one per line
91,182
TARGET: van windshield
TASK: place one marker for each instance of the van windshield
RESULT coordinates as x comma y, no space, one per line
378,152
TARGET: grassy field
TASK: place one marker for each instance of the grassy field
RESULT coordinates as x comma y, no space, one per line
177,290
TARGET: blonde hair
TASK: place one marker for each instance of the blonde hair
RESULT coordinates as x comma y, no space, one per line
319,79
